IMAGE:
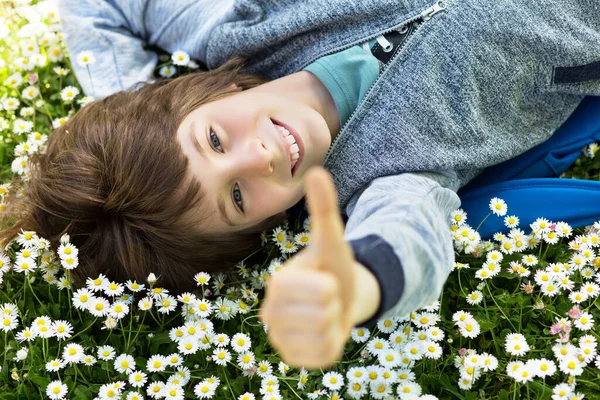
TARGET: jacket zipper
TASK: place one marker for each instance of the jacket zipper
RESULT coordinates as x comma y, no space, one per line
425,15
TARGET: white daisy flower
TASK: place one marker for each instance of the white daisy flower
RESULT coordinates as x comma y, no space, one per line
571,365
62,329
137,379
85,58
458,217
498,206
221,356
246,360
30,92
72,353
180,57
57,122
469,328
240,342
99,307
333,381
69,93
475,297
56,390
124,364
157,363
360,335
585,322
202,278
167,71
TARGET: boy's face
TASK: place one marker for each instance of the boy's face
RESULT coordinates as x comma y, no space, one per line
246,162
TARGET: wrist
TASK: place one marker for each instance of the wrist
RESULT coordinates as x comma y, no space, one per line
367,295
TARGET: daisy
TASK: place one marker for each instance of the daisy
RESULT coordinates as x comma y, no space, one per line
578,296
69,93
544,368
180,57
360,335
498,206
458,217
561,391
475,297
494,256
89,360
279,235
585,322
62,329
113,289
516,345
189,345
571,365
246,360
109,391
204,390
376,345
511,221
432,350
202,278
221,356
106,352
85,58
172,391
407,389
167,71
469,329
154,389
157,363
97,284
333,381
56,390
529,260
240,342
168,304
524,375
55,365
550,288
588,351
436,334
488,362
72,353
591,289
137,379
22,126
30,92
513,368
124,363
26,334
99,307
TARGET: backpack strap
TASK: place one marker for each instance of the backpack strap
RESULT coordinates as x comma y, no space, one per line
574,201
524,183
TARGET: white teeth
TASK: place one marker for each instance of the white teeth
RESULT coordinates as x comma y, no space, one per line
290,139
294,148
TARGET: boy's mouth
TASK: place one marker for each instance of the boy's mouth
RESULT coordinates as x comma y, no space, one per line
298,141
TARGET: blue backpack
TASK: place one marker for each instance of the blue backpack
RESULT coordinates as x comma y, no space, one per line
529,183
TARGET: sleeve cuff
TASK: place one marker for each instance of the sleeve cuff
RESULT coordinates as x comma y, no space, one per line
378,256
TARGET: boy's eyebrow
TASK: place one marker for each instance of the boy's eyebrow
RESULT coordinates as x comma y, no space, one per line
220,201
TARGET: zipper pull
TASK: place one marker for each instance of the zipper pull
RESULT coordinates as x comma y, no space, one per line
431,11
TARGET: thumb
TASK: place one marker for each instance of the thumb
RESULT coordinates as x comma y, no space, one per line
333,253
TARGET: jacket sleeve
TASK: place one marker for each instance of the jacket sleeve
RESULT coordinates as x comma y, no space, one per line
398,228
121,33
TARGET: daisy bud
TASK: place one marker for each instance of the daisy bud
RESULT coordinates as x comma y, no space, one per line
151,279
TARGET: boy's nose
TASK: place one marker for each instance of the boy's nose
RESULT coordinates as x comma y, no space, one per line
258,158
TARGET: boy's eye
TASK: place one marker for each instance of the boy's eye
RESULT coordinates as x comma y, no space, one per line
215,142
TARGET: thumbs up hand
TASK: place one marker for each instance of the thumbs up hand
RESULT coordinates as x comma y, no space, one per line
309,305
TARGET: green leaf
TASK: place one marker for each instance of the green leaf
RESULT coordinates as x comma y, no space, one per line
23,392
40,381
503,395
82,393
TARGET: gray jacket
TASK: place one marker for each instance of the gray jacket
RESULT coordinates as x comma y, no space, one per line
477,84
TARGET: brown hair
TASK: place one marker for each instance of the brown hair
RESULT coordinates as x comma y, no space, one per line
115,178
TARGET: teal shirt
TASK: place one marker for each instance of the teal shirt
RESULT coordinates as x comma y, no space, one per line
347,75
